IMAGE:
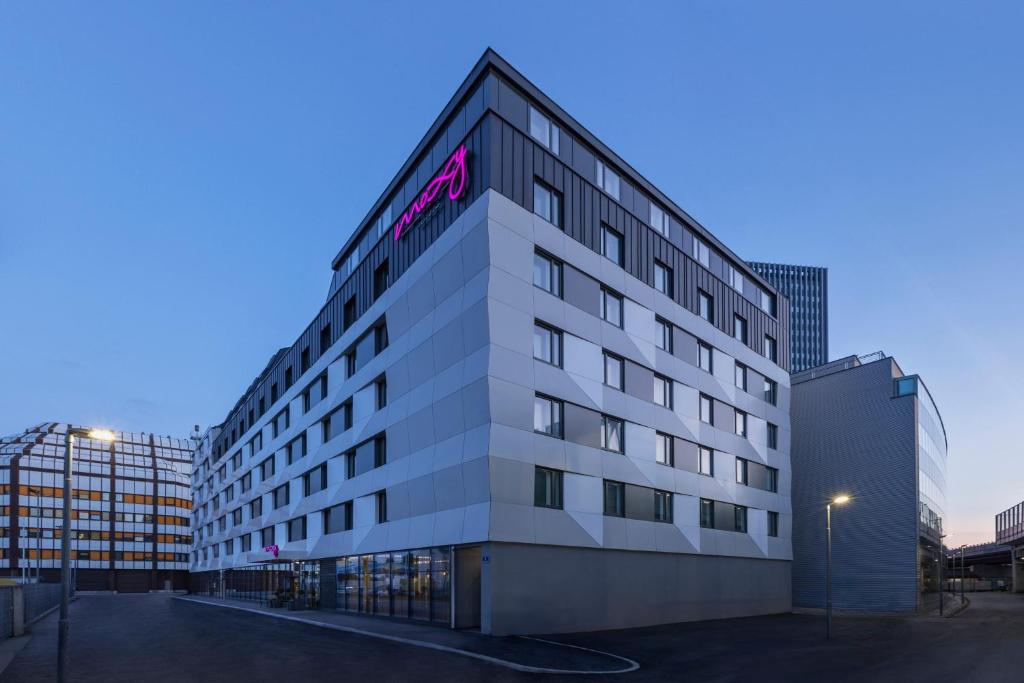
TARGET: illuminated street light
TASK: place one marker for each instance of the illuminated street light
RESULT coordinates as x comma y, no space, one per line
65,540
841,499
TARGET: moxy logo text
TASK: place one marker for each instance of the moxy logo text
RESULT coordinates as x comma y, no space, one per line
453,175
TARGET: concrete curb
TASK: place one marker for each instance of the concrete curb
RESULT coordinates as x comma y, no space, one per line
515,666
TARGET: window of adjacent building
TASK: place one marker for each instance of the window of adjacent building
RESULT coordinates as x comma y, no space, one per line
771,479
770,351
706,461
741,519
705,306
773,523
281,496
706,409
297,529
741,471
771,391
543,130
663,279
663,334
701,252
707,513
547,203
315,480
380,280
613,372
547,344
773,436
267,536
611,245
906,386
663,450
607,180
612,433
614,499
547,274
547,416
663,391
349,313
704,357
659,219
741,376
662,506
611,307
741,423
547,488
382,507
739,328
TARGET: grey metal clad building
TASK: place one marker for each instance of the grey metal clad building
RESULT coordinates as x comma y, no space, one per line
806,287
1010,531
540,397
862,427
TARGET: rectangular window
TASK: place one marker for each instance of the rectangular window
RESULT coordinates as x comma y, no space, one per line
246,541
773,523
547,488
547,203
741,423
297,529
297,448
547,416
773,436
707,410
741,376
741,519
350,464
315,480
543,130
547,344
614,499
380,280
659,219
236,517
288,381
246,481
701,252
611,245
771,391
349,313
704,357
741,471
256,508
303,366
613,373
767,303
267,469
770,350
611,307
607,180
663,279
771,479
267,536
382,507
380,451
547,274
612,432
663,450
325,338
281,496
706,464
739,328
705,306
707,513
662,506
338,518
663,391
663,334
734,278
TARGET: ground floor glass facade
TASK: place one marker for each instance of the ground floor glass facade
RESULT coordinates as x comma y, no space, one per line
411,584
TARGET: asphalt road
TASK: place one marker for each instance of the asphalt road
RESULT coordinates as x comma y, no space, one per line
155,638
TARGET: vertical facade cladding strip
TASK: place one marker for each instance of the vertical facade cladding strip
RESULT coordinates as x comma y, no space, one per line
806,287
131,505
460,467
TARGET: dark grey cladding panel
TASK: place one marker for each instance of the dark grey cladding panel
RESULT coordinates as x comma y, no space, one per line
725,516
364,457
756,475
684,345
639,502
582,291
639,381
725,416
512,106
687,455
582,426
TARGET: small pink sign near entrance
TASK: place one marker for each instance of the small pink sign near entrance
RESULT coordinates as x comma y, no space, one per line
271,549
453,175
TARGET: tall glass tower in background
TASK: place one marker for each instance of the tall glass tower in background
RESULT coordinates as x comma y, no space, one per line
807,289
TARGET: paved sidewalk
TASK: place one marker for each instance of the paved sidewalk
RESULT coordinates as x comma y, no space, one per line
520,653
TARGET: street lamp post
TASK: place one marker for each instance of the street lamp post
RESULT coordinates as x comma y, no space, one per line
962,573
65,541
942,561
838,500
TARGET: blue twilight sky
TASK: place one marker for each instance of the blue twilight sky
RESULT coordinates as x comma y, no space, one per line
175,179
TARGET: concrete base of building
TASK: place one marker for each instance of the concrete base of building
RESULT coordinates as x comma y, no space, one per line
554,589
1018,569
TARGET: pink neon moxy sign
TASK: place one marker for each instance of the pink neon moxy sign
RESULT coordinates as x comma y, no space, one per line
453,176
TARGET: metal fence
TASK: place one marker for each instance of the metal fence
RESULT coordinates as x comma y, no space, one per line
37,598
6,612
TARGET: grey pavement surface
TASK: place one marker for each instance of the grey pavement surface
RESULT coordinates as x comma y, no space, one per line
157,638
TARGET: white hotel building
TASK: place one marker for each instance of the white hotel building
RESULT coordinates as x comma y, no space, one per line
540,397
